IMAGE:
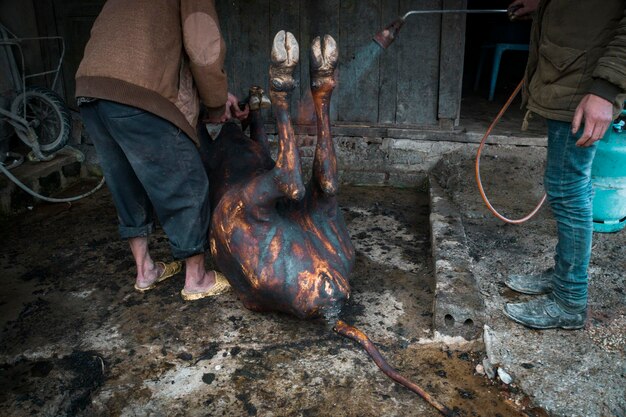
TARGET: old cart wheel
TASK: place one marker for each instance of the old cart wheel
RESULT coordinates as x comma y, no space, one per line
47,115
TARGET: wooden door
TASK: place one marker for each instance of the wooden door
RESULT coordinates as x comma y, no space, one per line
415,82
71,19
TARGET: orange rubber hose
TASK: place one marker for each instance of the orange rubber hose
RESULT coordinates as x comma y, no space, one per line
477,165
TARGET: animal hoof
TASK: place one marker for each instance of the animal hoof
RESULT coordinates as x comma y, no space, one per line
285,50
285,55
324,56
257,99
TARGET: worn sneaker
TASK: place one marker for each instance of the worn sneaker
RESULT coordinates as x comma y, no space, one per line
533,284
544,313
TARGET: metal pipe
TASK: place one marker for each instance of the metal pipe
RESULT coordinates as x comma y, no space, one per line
385,37
453,11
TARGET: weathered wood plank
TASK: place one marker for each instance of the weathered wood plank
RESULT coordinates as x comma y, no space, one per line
50,51
388,61
451,62
74,21
358,70
229,26
317,18
244,25
418,64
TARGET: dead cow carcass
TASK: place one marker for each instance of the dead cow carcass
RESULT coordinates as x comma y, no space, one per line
283,246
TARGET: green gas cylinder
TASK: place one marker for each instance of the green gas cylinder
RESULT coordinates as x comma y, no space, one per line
608,176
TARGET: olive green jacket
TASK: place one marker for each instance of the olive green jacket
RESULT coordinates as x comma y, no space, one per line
577,47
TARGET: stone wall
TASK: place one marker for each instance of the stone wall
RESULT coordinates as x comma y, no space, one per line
372,156
380,161
391,156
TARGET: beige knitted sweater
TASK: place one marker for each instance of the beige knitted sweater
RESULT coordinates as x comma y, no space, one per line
163,56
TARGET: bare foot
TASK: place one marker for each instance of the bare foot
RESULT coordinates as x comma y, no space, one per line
149,276
203,284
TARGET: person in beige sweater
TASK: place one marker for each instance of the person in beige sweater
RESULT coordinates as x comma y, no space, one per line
150,69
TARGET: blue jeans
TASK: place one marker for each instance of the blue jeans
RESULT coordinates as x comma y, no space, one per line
150,165
568,186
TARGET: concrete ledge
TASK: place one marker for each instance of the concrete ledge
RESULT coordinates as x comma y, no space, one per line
458,308
420,133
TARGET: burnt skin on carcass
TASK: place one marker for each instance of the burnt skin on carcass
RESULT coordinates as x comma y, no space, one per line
283,246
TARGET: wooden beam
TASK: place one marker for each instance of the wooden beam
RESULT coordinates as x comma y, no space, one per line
387,64
358,71
418,64
451,63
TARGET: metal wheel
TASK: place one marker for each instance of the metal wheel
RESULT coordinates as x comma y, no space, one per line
47,115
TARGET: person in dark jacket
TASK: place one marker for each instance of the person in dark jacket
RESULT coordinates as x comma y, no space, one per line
576,80
148,69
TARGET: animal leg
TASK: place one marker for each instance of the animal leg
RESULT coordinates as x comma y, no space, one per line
287,173
257,100
324,55
284,179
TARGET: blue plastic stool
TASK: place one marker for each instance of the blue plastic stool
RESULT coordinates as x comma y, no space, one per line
499,48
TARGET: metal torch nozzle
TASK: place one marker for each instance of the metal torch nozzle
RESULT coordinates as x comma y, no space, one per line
385,37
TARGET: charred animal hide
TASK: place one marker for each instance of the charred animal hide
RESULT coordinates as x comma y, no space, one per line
283,246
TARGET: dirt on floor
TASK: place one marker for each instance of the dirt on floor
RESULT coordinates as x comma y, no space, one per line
77,339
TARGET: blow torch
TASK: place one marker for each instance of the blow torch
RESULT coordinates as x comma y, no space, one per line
385,37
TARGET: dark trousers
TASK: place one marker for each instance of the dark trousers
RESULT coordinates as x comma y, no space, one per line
150,165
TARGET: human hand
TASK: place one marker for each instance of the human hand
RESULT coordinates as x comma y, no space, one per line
596,114
233,102
522,9
231,110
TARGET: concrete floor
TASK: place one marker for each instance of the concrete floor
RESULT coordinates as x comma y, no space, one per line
568,373
77,339
477,113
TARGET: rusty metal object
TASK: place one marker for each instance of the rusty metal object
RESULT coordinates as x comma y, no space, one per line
386,36
283,246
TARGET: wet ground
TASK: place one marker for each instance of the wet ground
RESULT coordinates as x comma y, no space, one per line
77,339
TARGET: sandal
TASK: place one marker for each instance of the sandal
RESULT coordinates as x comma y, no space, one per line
168,270
221,286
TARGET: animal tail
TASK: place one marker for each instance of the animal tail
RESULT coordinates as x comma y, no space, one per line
358,336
